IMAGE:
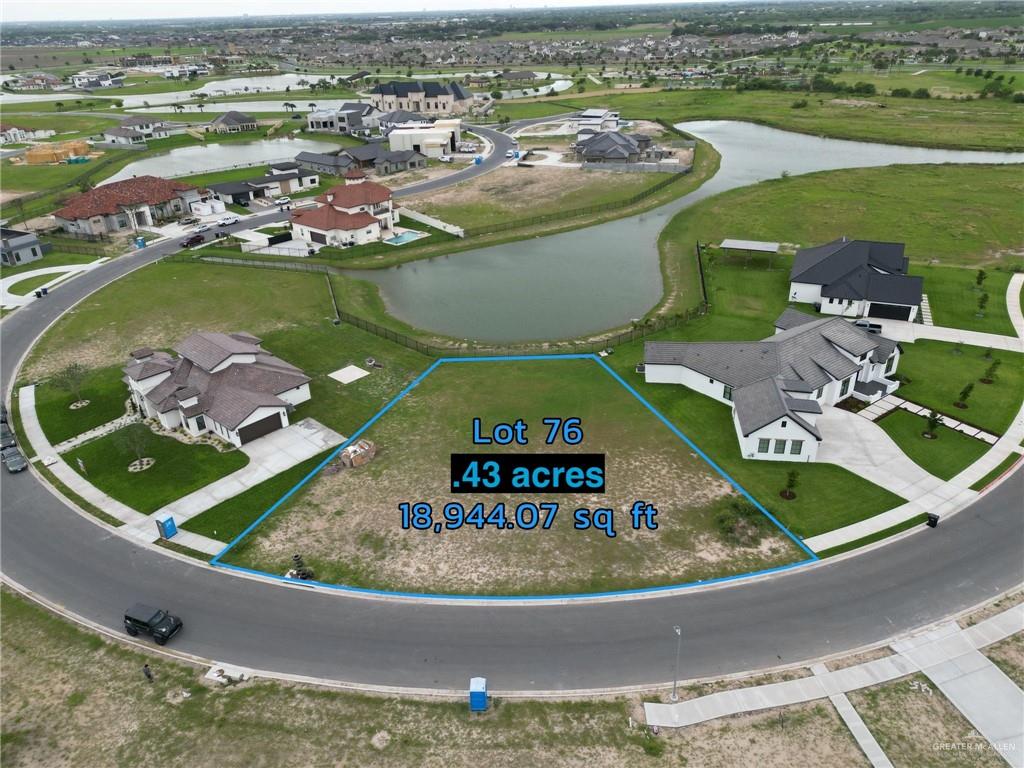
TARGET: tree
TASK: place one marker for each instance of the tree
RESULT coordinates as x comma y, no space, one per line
59,106
982,303
934,420
311,105
792,478
990,373
980,277
135,439
70,378
965,394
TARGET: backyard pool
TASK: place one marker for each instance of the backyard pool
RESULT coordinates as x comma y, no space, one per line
406,237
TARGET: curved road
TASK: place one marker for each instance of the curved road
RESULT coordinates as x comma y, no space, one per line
789,617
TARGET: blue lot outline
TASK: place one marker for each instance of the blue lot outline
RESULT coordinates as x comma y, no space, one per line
218,562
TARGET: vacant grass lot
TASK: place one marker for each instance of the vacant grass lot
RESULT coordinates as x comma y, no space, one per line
33,178
347,525
143,309
71,697
937,371
179,468
517,193
29,284
989,124
959,215
945,456
896,714
106,394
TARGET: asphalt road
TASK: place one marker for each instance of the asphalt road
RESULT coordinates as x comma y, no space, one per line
790,617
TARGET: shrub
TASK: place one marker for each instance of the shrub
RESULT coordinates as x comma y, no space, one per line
921,93
742,524
902,93
799,104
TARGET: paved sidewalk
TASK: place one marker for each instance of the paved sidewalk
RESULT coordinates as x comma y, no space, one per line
889,403
867,743
1013,298
60,273
901,330
948,655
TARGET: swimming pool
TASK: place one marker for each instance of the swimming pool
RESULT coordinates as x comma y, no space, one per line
406,237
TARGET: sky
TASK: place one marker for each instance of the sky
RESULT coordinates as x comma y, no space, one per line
76,10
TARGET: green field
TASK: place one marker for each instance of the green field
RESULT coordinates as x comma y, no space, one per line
104,390
179,468
945,456
937,371
990,124
925,207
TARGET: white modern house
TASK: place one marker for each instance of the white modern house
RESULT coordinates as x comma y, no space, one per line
139,129
428,97
355,213
856,278
779,385
435,139
222,383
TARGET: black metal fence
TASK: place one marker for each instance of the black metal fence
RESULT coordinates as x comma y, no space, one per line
502,226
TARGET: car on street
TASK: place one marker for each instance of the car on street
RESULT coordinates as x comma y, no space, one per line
227,221
3,413
509,153
6,437
188,242
142,619
282,201
13,460
203,228
866,325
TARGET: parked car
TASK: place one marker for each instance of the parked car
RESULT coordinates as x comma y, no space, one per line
13,460
203,228
3,413
510,153
145,619
227,221
868,326
445,158
6,437
193,240
282,201
188,221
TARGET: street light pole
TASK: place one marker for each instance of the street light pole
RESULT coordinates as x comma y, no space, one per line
679,646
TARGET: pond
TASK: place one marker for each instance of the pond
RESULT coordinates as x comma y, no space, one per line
585,281
207,158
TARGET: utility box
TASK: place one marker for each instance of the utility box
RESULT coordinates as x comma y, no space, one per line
140,242
478,694
477,160
166,527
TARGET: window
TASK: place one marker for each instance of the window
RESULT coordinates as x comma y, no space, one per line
783,424
891,365
796,447
200,423
780,446
727,392
846,387
762,445
819,393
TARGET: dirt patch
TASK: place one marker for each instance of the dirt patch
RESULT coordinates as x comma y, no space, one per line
347,525
6,195
1008,655
859,103
996,607
916,725
859,658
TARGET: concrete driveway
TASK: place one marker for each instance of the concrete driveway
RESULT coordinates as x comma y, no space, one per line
865,449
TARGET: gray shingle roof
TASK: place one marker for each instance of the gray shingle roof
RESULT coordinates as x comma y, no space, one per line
858,269
608,145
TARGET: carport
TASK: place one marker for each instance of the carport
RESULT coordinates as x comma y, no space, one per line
751,246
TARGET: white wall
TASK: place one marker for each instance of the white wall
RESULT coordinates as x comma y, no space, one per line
295,396
804,293
777,432
679,374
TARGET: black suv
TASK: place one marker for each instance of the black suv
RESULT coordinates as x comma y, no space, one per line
145,618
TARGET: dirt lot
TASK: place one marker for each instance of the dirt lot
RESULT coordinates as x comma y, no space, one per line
73,700
1008,655
347,525
918,727
523,192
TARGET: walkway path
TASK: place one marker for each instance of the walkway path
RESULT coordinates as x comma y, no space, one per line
889,403
59,273
100,431
1013,307
948,655
901,330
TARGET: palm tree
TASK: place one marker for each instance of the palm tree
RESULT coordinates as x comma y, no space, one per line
200,106
59,106
311,105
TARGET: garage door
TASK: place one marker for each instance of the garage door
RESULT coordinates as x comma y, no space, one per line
318,237
889,311
259,428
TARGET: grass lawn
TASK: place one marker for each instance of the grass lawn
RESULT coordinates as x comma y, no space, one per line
106,394
644,461
29,284
142,309
953,297
34,178
179,468
70,696
1001,468
945,456
935,373
922,206
989,124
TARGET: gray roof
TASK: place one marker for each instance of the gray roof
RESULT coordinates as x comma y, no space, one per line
858,269
228,396
608,145
335,160
430,89
801,358
233,118
404,116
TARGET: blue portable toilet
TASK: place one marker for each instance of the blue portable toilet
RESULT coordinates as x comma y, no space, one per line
516,154
477,160
166,527
478,694
140,242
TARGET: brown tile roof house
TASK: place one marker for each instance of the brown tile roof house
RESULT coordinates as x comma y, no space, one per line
354,195
110,198
327,218
221,383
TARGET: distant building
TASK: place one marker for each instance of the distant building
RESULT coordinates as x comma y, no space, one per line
95,78
19,247
280,179
355,213
614,147
139,129
126,205
232,122
12,134
435,139
418,96
348,118
327,163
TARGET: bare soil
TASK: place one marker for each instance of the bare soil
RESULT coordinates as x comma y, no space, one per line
1008,655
